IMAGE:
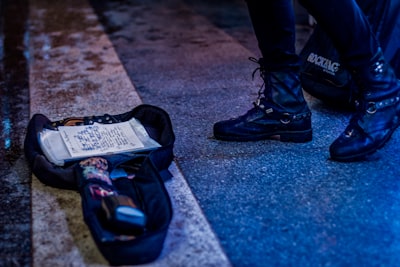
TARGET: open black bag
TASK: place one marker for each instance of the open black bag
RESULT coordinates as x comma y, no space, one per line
145,190
322,73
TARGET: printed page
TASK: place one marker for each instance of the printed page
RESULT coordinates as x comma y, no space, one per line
99,139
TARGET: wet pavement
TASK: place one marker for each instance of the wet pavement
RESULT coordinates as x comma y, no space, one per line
15,211
268,203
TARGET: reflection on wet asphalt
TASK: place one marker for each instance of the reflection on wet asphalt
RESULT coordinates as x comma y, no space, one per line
15,243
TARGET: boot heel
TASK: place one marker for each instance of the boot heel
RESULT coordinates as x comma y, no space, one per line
297,137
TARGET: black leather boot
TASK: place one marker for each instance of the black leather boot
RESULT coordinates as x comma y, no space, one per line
279,112
377,114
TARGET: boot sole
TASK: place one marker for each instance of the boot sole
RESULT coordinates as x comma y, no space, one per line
293,136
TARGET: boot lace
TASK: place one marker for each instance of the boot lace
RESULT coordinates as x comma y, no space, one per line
263,76
263,101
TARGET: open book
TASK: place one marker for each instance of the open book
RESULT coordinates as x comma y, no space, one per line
78,142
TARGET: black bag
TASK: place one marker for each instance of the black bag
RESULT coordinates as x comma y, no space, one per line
110,204
322,74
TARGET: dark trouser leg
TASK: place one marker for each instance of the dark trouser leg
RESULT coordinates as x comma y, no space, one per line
348,28
378,109
274,26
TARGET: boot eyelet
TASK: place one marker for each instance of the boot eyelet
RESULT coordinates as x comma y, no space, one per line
371,108
349,133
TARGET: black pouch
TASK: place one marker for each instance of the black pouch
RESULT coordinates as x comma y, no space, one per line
322,73
126,206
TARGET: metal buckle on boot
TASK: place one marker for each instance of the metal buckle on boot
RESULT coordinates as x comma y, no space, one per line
287,119
371,108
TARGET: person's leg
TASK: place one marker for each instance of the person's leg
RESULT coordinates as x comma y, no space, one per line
280,109
348,28
274,26
378,108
